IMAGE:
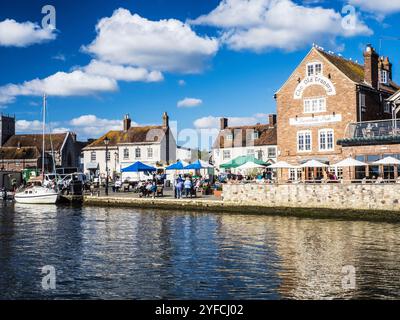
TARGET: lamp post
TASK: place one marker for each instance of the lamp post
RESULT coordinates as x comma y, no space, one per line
106,142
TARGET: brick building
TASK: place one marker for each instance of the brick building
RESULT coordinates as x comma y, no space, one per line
323,95
22,151
234,141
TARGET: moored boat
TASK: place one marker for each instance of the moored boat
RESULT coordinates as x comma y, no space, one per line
36,195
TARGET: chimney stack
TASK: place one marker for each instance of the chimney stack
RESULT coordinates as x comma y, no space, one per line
272,120
223,123
371,62
165,119
127,122
385,64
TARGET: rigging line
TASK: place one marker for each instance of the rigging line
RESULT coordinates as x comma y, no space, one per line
51,140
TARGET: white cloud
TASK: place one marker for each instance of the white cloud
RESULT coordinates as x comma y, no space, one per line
189,103
28,126
90,126
165,45
124,73
260,25
15,34
76,83
182,82
211,122
85,126
381,6
60,57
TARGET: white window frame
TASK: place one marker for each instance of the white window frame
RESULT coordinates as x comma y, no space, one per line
255,135
224,154
269,154
304,133
384,76
251,152
150,153
93,156
229,137
125,152
325,132
387,107
136,153
314,69
318,102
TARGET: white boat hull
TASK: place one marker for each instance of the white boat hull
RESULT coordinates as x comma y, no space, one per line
38,195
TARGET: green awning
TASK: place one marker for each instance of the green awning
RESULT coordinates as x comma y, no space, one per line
237,162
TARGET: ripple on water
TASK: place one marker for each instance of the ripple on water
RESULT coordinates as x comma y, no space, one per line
147,254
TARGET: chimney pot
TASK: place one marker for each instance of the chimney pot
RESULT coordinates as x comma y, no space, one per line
127,122
223,123
165,118
272,120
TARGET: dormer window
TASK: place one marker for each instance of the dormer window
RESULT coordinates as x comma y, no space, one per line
384,76
314,69
255,135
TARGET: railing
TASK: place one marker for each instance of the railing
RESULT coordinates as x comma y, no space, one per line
373,129
315,182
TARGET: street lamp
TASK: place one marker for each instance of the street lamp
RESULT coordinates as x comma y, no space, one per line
106,142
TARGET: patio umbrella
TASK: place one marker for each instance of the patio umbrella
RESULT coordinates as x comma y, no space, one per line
139,167
282,165
388,161
350,162
238,161
199,164
251,165
313,164
177,166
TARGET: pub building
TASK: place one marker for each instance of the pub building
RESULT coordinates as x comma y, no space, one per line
326,103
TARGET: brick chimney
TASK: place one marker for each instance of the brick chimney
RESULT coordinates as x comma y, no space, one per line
127,122
165,120
272,120
371,62
385,64
223,123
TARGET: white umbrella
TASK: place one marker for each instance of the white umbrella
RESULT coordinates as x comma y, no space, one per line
350,162
313,164
282,165
251,165
387,161
205,164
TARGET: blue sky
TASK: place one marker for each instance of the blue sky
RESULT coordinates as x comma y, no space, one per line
227,61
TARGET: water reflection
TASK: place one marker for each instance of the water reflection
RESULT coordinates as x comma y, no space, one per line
147,254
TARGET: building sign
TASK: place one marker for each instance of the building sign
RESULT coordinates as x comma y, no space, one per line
314,80
317,120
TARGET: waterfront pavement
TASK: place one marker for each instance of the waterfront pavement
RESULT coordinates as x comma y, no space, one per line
168,194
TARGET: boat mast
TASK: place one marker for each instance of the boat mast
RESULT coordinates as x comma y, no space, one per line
44,128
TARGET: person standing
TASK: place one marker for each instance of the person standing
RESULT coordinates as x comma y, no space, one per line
179,188
188,187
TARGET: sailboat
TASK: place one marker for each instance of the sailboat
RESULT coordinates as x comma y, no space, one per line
38,194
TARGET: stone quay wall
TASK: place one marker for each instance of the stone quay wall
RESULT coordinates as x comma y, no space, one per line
376,197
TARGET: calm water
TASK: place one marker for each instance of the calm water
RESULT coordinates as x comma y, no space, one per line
146,254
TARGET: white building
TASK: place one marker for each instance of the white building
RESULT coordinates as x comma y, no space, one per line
259,140
152,145
186,154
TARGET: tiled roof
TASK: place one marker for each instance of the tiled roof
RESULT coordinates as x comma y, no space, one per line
11,153
267,135
351,69
149,134
355,71
36,140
